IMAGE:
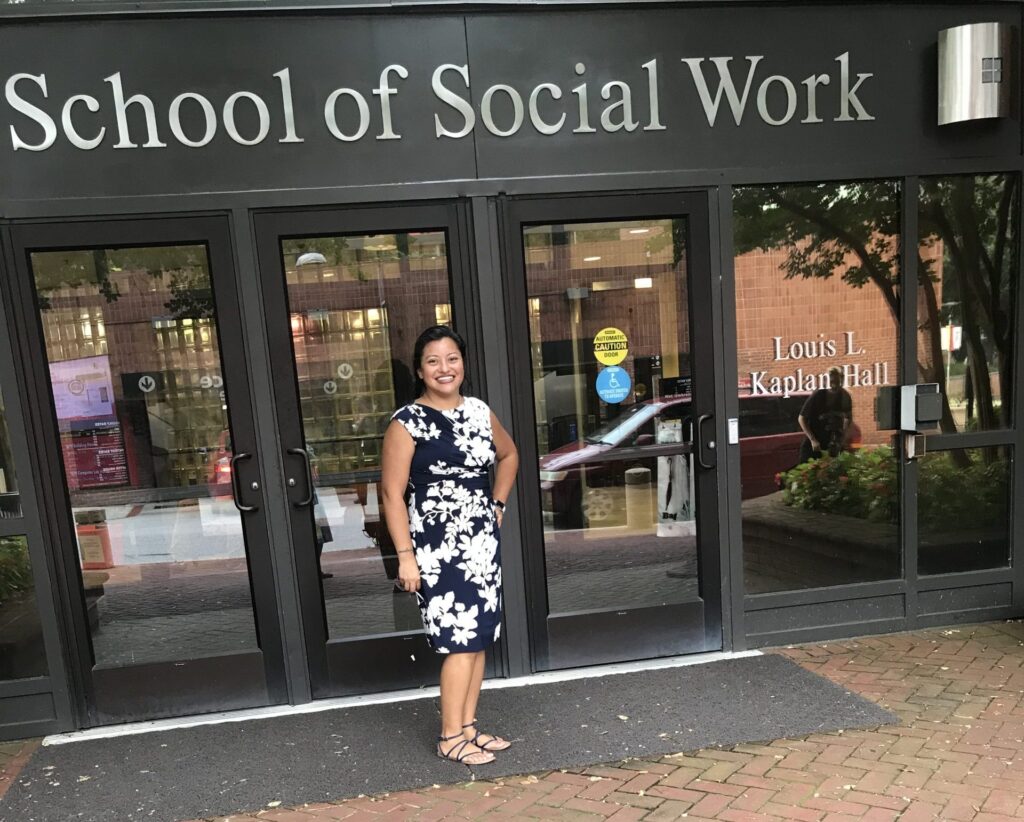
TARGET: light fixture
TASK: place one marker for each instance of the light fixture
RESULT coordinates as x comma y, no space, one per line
639,231
591,259
643,282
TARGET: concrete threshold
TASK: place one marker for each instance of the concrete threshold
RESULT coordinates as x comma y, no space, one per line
336,703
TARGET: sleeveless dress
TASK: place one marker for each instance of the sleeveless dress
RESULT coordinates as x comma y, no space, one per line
453,526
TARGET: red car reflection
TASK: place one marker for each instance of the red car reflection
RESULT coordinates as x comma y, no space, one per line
770,439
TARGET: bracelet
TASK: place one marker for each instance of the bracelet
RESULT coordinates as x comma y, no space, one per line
499,505
404,550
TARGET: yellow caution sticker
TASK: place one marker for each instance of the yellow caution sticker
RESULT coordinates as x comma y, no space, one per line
610,346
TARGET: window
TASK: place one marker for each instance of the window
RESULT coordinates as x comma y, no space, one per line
817,317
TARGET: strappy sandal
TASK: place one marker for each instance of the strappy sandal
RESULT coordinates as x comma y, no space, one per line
456,753
493,744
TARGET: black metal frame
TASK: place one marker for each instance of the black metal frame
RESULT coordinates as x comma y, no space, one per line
33,705
594,637
765,619
895,604
106,695
402,660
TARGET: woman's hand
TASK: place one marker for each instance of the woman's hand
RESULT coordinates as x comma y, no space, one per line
408,573
499,514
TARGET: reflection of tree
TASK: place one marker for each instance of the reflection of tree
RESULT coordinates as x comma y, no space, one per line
184,267
821,227
976,220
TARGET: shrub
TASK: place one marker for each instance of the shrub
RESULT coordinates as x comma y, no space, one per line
15,569
864,484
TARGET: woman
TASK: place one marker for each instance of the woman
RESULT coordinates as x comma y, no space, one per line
439,449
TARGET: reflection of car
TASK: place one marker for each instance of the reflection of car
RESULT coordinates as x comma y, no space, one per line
218,467
770,439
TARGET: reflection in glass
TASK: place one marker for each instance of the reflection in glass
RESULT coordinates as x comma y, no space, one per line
135,370
968,273
963,510
610,343
357,304
22,653
10,499
817,275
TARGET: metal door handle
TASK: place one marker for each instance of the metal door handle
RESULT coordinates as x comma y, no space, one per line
301,452
236,492
700,441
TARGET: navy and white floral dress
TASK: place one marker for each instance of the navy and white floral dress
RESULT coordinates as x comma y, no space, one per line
453,525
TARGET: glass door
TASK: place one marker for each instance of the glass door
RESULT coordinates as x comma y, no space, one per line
135,328
347,293
612,310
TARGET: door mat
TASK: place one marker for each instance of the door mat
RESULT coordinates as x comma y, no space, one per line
219,769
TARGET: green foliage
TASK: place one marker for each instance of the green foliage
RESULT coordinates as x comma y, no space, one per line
863,484
15,569
851,230
859,484
186,265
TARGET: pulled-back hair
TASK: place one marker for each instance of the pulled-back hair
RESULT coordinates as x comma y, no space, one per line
429,335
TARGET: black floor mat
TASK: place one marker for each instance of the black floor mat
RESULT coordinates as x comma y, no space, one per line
230,767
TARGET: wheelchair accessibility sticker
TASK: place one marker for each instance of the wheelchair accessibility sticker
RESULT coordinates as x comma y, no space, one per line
613,384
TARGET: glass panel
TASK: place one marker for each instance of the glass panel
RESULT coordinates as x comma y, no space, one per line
10,499
357,304
610,343
817,289
135,367
22,652
968,275
963,510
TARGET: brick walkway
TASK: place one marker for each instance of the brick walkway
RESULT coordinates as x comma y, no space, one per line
957,754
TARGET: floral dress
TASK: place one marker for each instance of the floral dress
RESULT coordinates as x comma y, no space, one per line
453,525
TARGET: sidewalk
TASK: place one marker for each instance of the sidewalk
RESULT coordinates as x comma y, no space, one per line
957,754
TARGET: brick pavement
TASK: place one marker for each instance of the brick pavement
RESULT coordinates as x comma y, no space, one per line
957,753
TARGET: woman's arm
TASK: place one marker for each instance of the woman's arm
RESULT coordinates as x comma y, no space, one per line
396,462
507,464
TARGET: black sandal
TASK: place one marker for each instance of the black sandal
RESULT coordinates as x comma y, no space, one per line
498,743
460,755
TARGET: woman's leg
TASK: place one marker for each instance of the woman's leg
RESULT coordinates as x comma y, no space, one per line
487,741
457,672
473,690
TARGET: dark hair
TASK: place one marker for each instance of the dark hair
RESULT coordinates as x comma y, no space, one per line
429,335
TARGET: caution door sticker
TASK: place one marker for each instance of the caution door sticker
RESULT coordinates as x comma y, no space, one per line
610,346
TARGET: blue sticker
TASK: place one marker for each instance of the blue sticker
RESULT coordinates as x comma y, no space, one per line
613,384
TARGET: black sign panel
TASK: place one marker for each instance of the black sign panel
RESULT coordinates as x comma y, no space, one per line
236,103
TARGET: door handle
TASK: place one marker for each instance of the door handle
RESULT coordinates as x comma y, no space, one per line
236,492
301,452
700,441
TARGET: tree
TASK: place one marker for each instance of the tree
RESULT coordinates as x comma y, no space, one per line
973,218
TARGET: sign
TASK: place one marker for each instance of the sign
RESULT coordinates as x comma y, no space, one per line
211,381
610,346
441,97
330,387
816,357
345,371
613,384
952,337
139,384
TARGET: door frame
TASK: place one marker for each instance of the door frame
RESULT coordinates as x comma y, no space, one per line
379,661
706,339
113,695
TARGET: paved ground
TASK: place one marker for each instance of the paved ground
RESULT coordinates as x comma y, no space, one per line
958,753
